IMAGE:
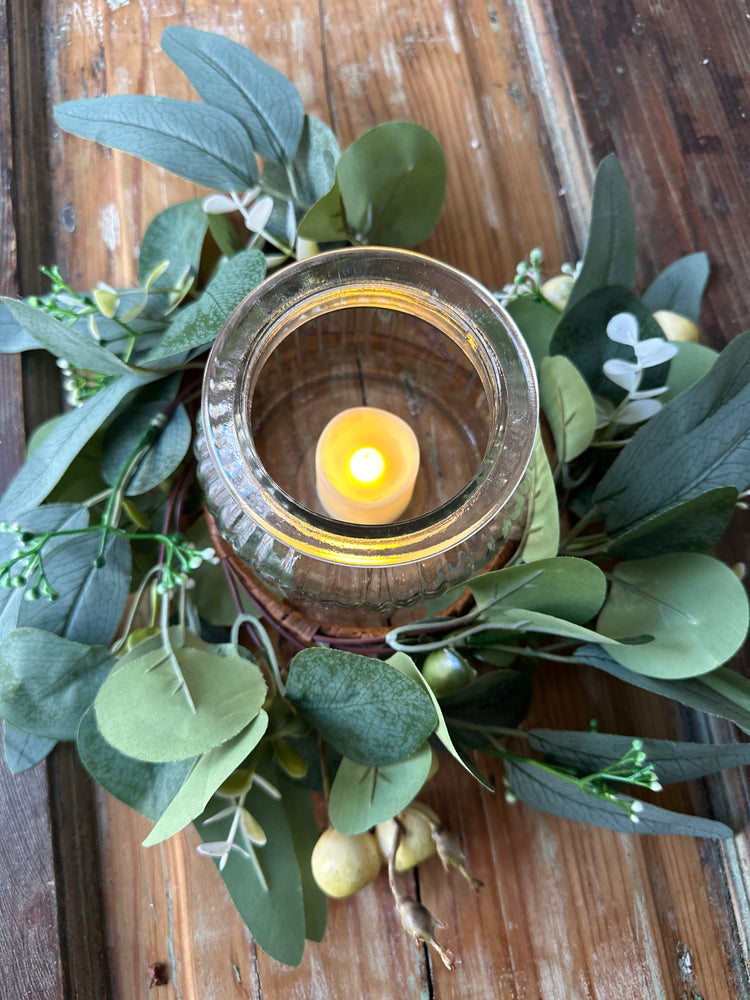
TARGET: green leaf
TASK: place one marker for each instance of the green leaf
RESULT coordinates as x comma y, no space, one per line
672,760
500,619
498,698
63,342
568,406
175,235
313,167
143,713
542,536
304,829
679,288
208,772
722,692
363,796
693,605
392,183
551,793
326,220
228,76
167,450
46,467
537,321
690,364
368,710
198,325
22,750
407,667
13,337
147,788
564,587
47,682
224,235
609,258
202,144
275,912
693,526
698,442
581,336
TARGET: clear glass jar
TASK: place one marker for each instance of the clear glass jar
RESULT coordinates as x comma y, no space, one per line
367,327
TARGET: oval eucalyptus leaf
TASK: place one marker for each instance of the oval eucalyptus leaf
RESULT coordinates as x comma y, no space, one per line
272,909
392,183
147,788
498,698
568,406
229,76
537,321
197,325
672,760
700,441
551,793
679,288
202,144
580,336
22,750
687,367
542,536
565,587
142,709
46,467
47,682
63,342
325,221
609,258
366,709
363,796
300,814
208,772
693,605
313,167
175,235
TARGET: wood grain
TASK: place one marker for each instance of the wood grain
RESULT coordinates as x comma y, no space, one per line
526,97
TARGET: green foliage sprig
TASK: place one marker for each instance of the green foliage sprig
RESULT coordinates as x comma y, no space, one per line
120,629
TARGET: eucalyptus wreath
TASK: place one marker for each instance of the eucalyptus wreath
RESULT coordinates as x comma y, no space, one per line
122,630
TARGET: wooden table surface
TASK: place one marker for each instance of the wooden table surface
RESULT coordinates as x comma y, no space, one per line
526,97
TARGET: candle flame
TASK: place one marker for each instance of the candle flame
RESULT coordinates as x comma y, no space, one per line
366,465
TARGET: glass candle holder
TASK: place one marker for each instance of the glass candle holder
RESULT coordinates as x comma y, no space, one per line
391,330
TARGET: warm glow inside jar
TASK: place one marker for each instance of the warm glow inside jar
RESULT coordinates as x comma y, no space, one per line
368,417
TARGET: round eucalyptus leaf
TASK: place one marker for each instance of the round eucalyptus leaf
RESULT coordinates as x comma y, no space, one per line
542,538
693,605
568,406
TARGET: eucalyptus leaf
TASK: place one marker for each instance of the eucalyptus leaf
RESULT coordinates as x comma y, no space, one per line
274,912
313,167
304,829
368,710
609,258
392,183
22,750
700,441
688,366
565,587
552,793
202,144
693,605
208,772
197,325
363,796
46,467
224,235
47,682
679,288
672,760
174,236
63,342
542,536
326,221
723,692
568,406
537,321
499,619
229,76
170,438
147,788
497,698
143,712
581,337
408,668
693,526
13,337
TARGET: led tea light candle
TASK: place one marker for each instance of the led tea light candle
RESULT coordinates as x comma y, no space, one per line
366,465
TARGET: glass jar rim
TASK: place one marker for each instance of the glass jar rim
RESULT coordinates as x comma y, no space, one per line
403,281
